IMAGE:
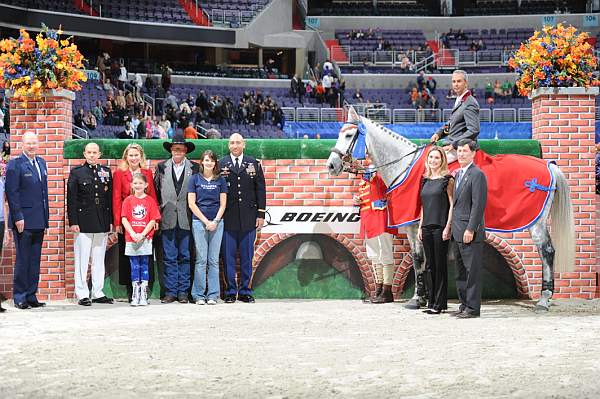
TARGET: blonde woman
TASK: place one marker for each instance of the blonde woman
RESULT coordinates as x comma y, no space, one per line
133,161
434,227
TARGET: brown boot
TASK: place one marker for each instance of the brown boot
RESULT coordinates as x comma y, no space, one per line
385,295
368,298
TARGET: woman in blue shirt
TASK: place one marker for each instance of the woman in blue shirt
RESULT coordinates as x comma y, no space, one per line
207,197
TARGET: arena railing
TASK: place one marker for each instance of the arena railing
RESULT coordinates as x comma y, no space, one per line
308,115
231,18
524,114
505,115
333,115
289,113
446,59
404,115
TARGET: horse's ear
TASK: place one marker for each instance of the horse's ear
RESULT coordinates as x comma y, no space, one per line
353,116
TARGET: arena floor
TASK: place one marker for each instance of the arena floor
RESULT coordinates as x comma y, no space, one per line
299,349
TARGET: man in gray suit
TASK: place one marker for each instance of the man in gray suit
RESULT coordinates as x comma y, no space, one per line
464,121
468,229
171,182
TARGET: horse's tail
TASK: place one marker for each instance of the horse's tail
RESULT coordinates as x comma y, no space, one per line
563,226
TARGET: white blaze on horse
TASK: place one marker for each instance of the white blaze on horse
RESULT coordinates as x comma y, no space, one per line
395,159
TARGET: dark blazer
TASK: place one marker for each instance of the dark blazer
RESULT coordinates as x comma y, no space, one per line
469,205
27,195
247,197
89,198
464,122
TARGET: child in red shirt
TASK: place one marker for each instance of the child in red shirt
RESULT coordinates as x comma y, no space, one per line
139,215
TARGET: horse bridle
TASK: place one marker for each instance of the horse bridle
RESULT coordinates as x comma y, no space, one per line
351,165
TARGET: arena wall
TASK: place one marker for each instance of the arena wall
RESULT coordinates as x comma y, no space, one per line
296,176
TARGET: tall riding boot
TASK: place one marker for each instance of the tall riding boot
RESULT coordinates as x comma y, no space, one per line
135,295
385,295
143,294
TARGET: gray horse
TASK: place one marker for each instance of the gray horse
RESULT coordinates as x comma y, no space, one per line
394,153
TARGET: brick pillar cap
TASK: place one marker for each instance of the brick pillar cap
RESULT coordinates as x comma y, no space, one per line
592,91
69,95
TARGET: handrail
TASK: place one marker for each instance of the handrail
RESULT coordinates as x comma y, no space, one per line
76,128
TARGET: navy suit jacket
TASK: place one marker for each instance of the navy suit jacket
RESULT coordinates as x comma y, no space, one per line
26,194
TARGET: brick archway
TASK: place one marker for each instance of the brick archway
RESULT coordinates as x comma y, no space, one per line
266,244
499,244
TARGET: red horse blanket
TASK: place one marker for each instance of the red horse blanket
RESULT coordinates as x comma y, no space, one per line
518,189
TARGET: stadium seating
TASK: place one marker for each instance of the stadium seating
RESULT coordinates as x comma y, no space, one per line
232,13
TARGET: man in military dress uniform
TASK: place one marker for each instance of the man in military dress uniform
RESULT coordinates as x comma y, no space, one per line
89,206
244,214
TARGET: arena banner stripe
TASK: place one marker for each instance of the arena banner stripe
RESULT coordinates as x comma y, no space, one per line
273,148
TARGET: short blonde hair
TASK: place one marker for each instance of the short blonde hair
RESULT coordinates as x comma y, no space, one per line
443,166
124,164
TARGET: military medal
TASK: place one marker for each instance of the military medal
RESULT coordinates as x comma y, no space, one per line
251,170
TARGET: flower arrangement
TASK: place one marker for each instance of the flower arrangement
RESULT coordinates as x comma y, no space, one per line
29,66
558,56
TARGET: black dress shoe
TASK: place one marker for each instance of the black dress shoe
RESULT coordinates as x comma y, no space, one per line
37,304
247,298
103,299
22,305
229,299
2,310
168,299
85,302
182,298
466,315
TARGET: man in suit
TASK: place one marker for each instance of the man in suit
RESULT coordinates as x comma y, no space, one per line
244,214
27,195
468,229
171,182
89,206
464,122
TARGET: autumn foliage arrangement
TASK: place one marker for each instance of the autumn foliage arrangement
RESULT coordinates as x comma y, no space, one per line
29,66
558,56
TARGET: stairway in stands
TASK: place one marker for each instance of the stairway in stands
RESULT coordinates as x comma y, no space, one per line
85,8
444,57
197,15
336,52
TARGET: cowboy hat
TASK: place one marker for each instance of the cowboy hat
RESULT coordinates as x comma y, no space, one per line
179,139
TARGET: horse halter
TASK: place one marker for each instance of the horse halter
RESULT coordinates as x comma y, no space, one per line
351,165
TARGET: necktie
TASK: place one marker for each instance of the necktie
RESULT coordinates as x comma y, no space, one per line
237,164
459,176
35,166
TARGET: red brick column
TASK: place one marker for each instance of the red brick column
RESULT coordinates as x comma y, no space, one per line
51,118
564,123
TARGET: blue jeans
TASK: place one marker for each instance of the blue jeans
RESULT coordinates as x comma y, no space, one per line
176,260
139,267
208,245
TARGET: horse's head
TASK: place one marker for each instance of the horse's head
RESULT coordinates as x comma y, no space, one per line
342,151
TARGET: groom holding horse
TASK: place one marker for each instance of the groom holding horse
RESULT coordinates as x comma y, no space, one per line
464,121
